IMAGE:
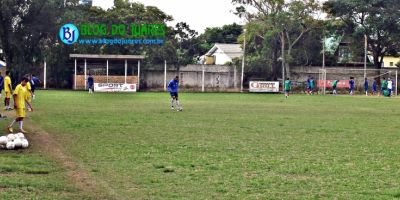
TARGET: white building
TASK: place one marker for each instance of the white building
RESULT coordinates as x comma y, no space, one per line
225,53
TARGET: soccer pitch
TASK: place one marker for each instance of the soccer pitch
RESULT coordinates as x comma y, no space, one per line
222,146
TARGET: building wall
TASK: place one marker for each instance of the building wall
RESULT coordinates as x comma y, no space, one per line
221,58
216,78
390,59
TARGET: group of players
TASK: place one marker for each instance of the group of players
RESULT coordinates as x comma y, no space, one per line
387,86
22,96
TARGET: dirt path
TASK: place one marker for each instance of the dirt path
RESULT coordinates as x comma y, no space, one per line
91,186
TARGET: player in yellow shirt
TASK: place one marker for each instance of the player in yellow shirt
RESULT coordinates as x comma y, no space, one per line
29,92
7,90
19,105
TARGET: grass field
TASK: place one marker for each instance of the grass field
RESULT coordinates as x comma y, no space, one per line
222,146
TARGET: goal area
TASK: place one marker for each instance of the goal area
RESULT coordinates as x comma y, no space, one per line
326,76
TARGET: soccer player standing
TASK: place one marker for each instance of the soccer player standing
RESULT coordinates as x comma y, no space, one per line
1,83
173,90
288,83
19,105
334,86
311,85
383,85
7,90
90,84
366,86
390,86
351,85
374,87
28,93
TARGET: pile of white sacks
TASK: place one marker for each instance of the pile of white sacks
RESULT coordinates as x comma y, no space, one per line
14,141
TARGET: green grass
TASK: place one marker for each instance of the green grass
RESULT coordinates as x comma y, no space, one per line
27,175
224,146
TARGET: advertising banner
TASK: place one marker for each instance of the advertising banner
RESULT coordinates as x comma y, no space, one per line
264,86
114,87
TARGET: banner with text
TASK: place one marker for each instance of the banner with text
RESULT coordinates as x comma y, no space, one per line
114,87
340,85
264,86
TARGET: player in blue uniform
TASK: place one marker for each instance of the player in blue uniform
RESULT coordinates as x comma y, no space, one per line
90,82
366,86
351,85
1,83
374,87
173,90
34,82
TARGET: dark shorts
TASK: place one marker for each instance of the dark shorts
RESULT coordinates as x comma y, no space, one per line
174,94
90,86
287,91
33,88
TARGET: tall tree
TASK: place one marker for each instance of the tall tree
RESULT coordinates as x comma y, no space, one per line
379,20
280,23
25,27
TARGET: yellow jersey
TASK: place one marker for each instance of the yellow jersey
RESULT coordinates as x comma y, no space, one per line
28,91
28,86
21,93
7,82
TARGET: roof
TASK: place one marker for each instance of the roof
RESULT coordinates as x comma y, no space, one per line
106,57
231,50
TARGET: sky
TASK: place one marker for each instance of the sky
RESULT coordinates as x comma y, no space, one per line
198,14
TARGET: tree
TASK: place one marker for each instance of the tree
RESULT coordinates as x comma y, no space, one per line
26,26
280,24
378,20
226,34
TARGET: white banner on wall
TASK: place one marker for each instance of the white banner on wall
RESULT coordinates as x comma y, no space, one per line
264,86
114,87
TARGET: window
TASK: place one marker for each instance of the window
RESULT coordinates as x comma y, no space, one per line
391,64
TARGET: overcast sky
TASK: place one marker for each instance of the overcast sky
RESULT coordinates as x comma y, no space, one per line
198,14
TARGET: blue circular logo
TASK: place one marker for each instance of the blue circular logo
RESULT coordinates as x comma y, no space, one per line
69,34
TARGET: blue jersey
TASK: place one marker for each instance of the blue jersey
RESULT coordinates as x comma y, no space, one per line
173,85
1,81
366,85
90,80
34,80
351,83
374,86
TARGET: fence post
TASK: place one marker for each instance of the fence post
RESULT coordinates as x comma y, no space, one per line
396,81
202,81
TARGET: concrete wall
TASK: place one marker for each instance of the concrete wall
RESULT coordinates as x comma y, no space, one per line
216,77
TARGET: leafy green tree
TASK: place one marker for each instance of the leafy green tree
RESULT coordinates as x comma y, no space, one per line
379,20
278,27
26,26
